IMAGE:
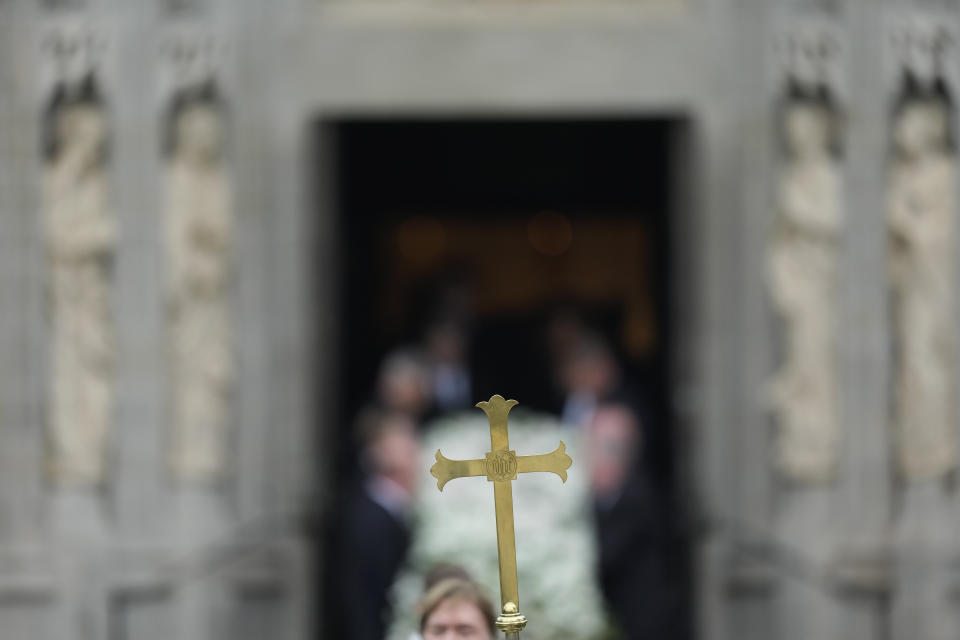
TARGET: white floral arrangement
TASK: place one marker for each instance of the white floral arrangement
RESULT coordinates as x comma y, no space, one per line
556,547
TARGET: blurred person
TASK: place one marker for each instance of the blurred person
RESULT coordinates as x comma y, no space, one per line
629,524
593,376
451,381
373,533
456,609
404,383
444,571
590,374
437,574
563,332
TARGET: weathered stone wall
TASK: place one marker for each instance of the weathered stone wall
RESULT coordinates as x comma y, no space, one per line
859,552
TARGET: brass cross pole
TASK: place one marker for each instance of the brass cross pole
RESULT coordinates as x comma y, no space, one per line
501,466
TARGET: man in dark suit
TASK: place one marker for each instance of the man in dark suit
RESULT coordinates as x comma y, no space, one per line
630,526
372,534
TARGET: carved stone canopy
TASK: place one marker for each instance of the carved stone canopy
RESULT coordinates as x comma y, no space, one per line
809,57
190,58
923,46
72,53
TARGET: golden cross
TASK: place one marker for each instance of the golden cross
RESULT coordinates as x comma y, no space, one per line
501,466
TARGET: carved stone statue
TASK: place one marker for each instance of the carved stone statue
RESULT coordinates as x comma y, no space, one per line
802,281
922,220
81,235
198,257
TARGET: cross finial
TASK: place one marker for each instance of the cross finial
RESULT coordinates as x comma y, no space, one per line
501,466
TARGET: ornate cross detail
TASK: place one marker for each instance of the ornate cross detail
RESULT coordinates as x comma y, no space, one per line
501,466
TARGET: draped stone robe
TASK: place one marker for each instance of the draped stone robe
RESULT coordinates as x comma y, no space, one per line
81,236
198,249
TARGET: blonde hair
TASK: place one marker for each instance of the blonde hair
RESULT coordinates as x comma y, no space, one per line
456,589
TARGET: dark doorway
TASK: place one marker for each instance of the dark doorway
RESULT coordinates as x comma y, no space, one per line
531,217
402,183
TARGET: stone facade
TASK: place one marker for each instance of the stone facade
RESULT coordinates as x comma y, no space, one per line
138,554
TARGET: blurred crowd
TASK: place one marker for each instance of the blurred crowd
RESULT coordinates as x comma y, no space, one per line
417,382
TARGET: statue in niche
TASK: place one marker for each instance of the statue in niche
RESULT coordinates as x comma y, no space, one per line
80,235
922,221
802,282
198,243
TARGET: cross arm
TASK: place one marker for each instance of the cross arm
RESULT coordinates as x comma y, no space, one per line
445,469
557,461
